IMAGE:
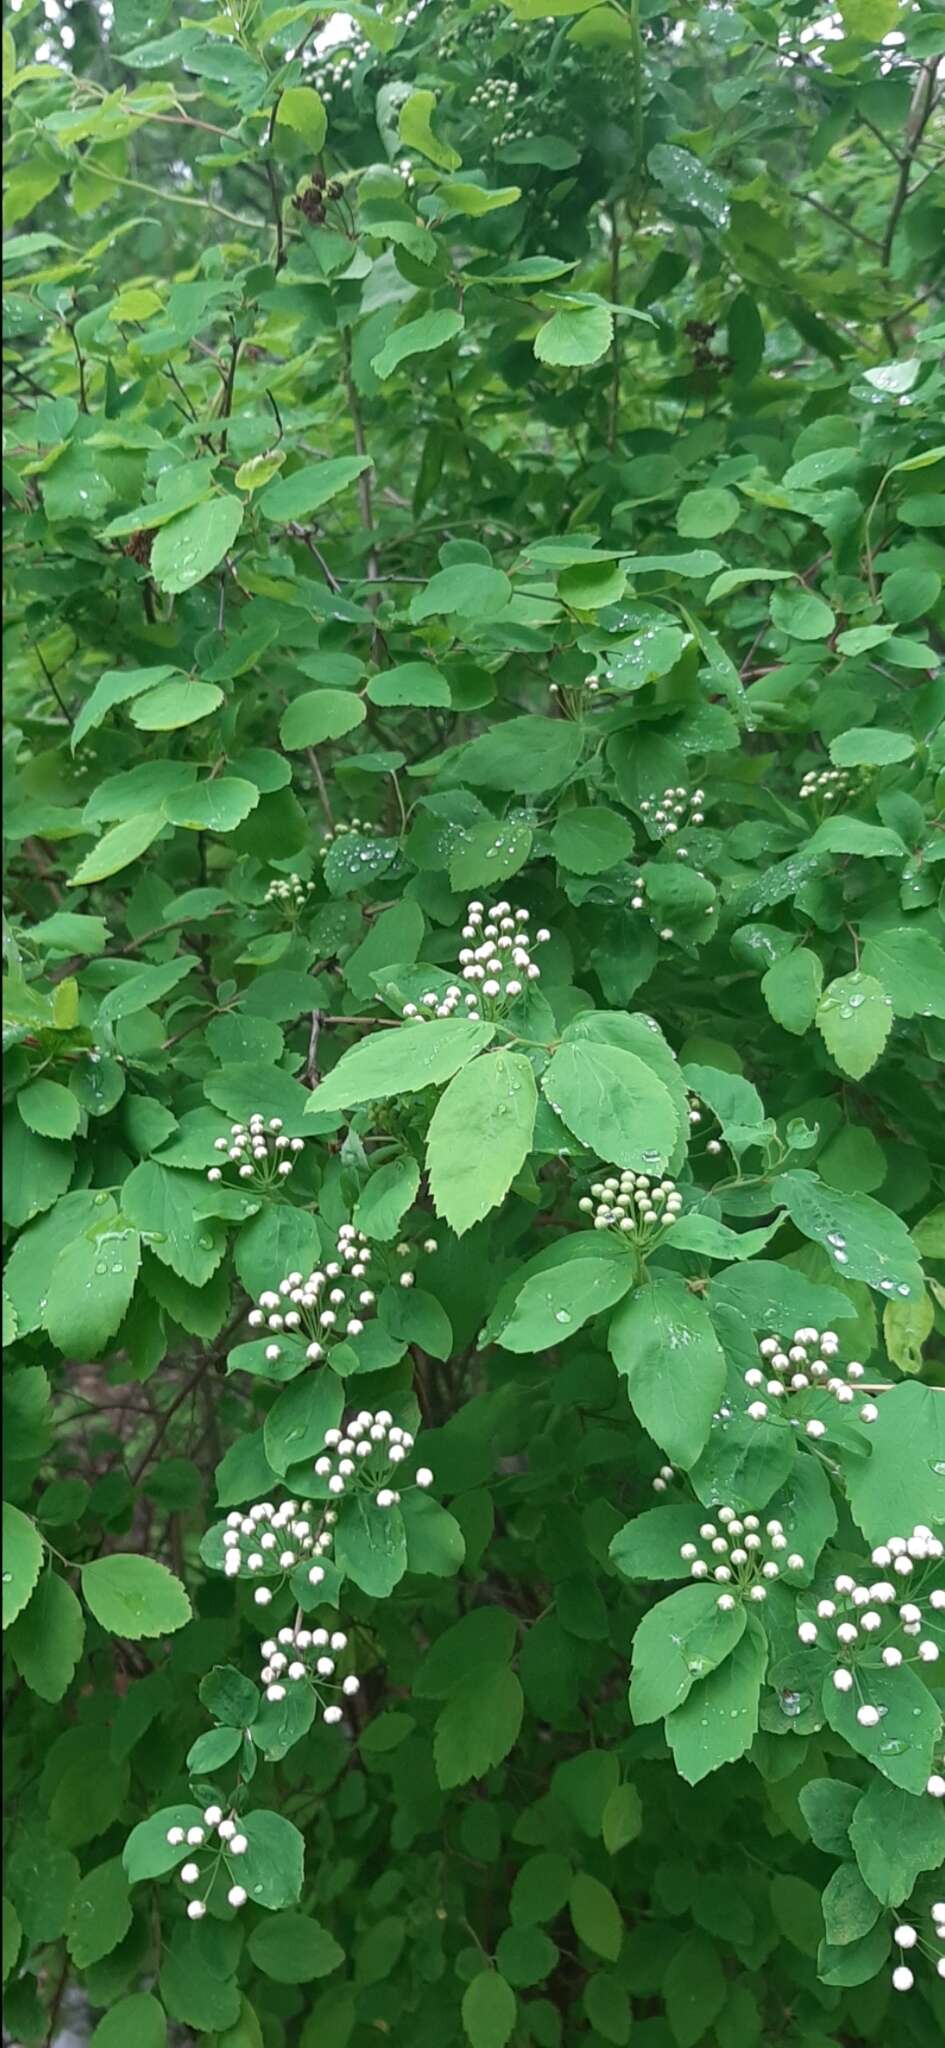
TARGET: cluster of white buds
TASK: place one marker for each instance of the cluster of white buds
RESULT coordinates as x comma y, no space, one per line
674,808
497,958
269,1541
365,1456
302,1655
634,1204
333,1303
664,1478
230,1842
713,1145
794,1373
432,1005
289,891
874,1627
738,1556
828,784
364,826
260,1151
337,67
907,1938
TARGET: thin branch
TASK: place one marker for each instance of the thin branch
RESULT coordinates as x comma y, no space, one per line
316,768
919,112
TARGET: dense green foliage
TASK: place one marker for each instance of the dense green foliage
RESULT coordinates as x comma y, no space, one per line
475,981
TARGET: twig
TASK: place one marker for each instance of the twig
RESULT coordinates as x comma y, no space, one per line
615,343
919,112
316,768
311,1064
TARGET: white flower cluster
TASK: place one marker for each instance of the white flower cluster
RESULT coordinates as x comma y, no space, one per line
331,1304
874,1627
635,1204
302,1655
793,1372
674,808
269,1541
736,1556
260,1151
829,784
289,891
336,69
498,963
364,826
230,1842
365,1456
907,1937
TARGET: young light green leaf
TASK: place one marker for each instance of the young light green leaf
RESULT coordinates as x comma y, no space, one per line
854,1018
480,1136
400,1062
663,1343
134,1596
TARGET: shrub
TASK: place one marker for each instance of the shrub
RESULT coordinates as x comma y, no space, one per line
475,991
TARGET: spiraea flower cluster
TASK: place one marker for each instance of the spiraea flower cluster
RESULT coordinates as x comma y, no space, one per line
269,1541
791,1385
634,1204
908,1941
742,1557
259,1150
336,71
498,96
331,1303
229,1843
495,962
290,892
665,815
366,1456
870,1626
342,826
308,1656
828,785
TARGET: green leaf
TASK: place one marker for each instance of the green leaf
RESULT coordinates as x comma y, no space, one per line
217,806
173,705
489,2010
690,182
371,1546
529,755
416,133
459,196
703,514
90,1288
320,715
903,1743
648,1547
400,1062
272,1869
293,1949
419,337
100,1914
306,490
694,1988
802,615
906,1325
468,587
138,2018
614,1103
718,1720
855,1018
480,1136
50,1109
22,1561
622,1819
489,853
386,1198
591,840
863,1239
663,1343
191,546
575,336
910,965
869,746
296,1423
852,835
791,988
903,1480
134,1596
556,1302
46,1640
411,682
300,107
119,847
828,1807
678,1642
478,1725
869,20
596,1916
895,1836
